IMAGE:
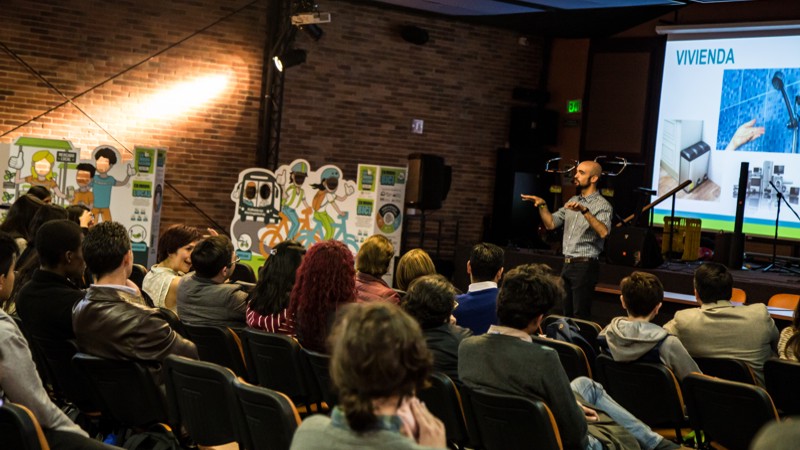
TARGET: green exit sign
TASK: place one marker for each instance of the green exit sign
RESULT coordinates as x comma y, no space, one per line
574,106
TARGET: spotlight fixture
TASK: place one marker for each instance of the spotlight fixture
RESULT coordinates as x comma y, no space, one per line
313,31
290,58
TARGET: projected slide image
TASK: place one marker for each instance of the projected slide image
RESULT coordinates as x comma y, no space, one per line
763,184
685,156
759,110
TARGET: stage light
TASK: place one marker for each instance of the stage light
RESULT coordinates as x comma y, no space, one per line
313,31
290,58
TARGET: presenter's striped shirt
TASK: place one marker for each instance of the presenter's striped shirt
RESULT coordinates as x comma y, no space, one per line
580,240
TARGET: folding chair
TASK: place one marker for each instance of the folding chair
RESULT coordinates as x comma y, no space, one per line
572,357
219,345
268,418
319,364
727,412
444,400
19,429
782,379
727,369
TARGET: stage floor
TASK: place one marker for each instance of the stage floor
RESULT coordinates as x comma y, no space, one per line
676,276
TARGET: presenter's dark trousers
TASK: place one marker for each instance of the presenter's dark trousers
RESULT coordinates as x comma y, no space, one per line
580,279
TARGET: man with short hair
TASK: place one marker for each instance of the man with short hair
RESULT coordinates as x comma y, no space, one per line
19,381
110,321
636,338
506,359
205,298
45,303
586,218
477,308
718,329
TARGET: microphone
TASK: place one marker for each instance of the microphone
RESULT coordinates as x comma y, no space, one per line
778,84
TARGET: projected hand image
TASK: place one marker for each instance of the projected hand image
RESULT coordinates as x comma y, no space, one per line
759,110
744,134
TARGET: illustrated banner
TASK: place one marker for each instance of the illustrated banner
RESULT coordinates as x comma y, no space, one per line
314,204
125,192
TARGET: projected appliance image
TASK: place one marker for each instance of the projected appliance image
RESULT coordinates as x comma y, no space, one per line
685,156
759,110
760,182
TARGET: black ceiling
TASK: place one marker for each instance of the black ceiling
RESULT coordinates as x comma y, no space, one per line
554,18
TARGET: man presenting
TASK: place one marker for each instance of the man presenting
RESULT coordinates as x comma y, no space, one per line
586,218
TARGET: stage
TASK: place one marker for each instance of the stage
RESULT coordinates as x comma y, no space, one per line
676,277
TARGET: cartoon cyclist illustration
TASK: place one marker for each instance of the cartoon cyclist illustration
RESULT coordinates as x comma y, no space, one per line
41,171
293,196
324,202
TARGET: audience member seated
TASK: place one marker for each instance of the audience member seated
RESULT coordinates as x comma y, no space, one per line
325,282
718,329
28,260
45,303
506,360
111,321
372,263
414,264
430,300
789,341
18,220
268,303
379,360
19,381
636,338
82,215
205,298
42,193
175,247
477,309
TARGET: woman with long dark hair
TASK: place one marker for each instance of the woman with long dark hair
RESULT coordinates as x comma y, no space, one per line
268,303
325,281
18,219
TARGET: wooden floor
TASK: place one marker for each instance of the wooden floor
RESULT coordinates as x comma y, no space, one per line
708,191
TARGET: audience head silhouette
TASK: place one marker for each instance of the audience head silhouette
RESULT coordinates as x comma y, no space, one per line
414,264
374,256
713,282
430,299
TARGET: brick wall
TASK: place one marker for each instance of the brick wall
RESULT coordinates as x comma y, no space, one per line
352,101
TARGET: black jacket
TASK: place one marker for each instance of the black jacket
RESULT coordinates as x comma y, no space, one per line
45,305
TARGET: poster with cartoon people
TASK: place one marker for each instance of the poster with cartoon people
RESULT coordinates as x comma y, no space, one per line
294,202
32,161
126,190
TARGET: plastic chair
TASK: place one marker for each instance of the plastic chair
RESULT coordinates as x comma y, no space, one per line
510,422
649,391
19,429
125,389
200,396
572,357
785,301
275,362
243,272
268,418
727,369
782,377
727,412
739,296
444,400
219,345
69,385
320,368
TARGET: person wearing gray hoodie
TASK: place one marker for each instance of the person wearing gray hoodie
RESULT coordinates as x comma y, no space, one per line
635,338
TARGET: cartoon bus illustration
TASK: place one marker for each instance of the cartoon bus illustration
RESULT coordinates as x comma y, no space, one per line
258,197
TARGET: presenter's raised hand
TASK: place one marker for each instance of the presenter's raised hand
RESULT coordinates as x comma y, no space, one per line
537,201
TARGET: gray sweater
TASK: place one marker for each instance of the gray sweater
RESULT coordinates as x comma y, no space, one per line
510,365
19,382
628,340
201,301
317,433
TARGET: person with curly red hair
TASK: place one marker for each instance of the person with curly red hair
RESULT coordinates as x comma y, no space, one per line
325,281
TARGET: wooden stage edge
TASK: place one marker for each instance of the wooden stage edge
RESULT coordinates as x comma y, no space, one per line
677,278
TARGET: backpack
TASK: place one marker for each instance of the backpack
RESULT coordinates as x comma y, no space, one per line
566,330
152,440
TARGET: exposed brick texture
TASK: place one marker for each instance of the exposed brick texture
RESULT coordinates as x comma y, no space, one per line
352,101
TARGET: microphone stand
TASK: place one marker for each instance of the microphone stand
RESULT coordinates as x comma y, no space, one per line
774,266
